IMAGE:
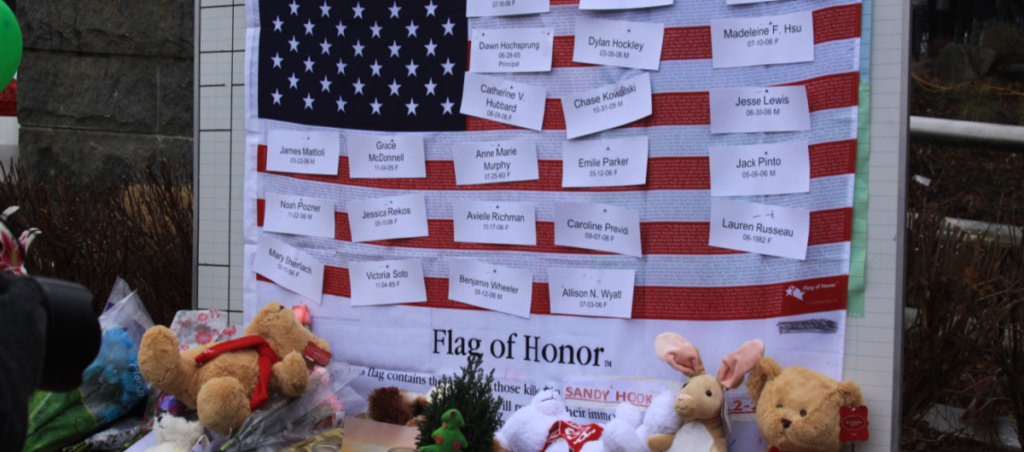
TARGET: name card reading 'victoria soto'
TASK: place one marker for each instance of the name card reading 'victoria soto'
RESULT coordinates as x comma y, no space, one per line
512,50
299,215
618,43
290,268
484,8
488,286
622,4
609,162
501,222
488,163
386,156
754,41
395,217
760,169
503,101
598,227
759,109
608,106
387,282
759,228
591,292
292,151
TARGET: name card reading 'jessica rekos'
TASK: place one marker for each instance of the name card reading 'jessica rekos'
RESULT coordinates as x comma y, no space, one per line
754,41
759,109
484,8
299,215
293,151
395,217
290,268
488,163
598,227
493,287
591,292
512,50
503,101
386,156
760,169
501,222
387,282
605,163
608,106
759,228
618,43
622,4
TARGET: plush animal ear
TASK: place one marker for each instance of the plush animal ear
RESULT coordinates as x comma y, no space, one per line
764,370
679,353
736,364
846,394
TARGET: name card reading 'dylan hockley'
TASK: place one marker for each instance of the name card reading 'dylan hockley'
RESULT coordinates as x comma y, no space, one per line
759,109
387,282
386,156
290,268
488,163
759,228
618,43
299,215
394,217
303,152
598,227
503,101
591,292
489,286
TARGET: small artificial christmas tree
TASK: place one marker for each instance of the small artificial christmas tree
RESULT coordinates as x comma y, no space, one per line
449,437
470,392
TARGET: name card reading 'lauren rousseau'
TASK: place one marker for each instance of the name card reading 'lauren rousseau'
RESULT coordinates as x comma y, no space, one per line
608,106
753,41
759,109
512,50
618,43
386,156
387,282
609,162
760,169
394,217
759,228
503,101
484,8
591,292
290,268
501,222
299,215
598,227
488,163
303,152
488,286
622,4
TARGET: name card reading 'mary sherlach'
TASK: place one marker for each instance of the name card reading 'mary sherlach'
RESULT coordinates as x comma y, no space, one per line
512,50
290,268
608,106
299,215
503,101
488,163
598,227
759,109
759,228
303,152
591,292
394,217
755,41
489,286
386,156
387,282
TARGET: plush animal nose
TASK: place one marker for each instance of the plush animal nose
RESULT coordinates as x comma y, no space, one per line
683,396
786,423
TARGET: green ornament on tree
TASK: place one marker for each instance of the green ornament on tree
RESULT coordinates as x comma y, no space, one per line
449,437
10,45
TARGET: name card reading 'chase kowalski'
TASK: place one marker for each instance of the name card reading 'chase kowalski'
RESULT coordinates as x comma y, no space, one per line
609,162
395,217
591,292
754,41
488,163
484,8
503,101
300,215
501,222
759,109
290,268
608,106
488,286
759,228
618,43
760,169
598,227
293,151
512,50
386,156
387,282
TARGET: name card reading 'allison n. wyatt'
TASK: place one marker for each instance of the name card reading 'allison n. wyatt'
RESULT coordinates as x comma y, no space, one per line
754,41
618,43
303,152
489,286
759,109
591,292
609,162
503,101
598,227
290,268
512,50
393,217
299,215
760,169
501,222
608,106
759,228
386,156
387,282
488,163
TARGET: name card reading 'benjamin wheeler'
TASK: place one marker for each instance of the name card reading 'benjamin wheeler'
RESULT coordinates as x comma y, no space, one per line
395,217
293,151
608,106
488,163
299,215
605,163
501,222
386,156
759,109
598,227
484,8
622,4
618,43
754,41
387,282
488,286
503,101
591,292
759,228
760,169
290,268
512,50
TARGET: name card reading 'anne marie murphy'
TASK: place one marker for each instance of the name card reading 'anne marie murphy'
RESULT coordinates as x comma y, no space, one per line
386,156
501,222
591,292
608,106
293,151
488,286
512,50
598,227
290,268
300,215
755,41
760,109
486,8
608,162
759,228
387,282
760,169
503,101
488,163
394,217
618,43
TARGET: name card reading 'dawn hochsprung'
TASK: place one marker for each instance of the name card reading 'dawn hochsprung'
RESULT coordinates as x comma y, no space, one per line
759,228
488,163
759,109
618,43
488,286
290,268
292,151
622,4
387,282
395,217
609,162
760,169
754,41
598,227
503,101
591,292
501,222
484,8
386,156
300,215
512,50
608,106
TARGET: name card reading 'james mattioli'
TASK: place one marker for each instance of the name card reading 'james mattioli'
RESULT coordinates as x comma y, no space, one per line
503,101
290,268
512,50
760,109
394,217
608,106
759,228
386,156
501,222
760,169
300,215
755,41
618,43
609,162
387,282
303,152
598,227
489,286
484,8
591,292
488,163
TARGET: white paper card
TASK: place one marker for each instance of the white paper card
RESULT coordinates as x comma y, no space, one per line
488,286
622,4
299,215
591,292
488,163
502,222
760,169
394,217
386,156
512,50
609,162
290,268
759,109
598,227
746,2
788,38
387,282
618,43
482,8
759,228
303,152
608,106
503,101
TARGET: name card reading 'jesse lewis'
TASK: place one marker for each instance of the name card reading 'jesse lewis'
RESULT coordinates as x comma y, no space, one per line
493,287
484,8
759,109
760,169
591,292
293,151
290,268
512,50
622,4
488,163
387,282
503,101
608,106
759,228
609,162
300,215
618,43
598,227
395,217
386,156
501,222
754,41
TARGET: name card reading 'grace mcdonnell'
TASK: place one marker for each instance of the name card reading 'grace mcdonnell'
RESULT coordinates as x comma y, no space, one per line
503,101
760,169
485,8
386,156
488,163
290,268
618,43
598,227
512,50
759,109
387,282
501,222
299,215
622,4
488,286
759,228
394,217
303,152
591,292
754,41
605,163
608,106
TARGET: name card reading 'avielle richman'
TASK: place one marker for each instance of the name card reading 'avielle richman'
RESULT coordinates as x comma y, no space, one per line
610,162
618,43
760,109
503,101
598,227
290,268
489,286
387,282
299,215
393,217
759,228
488,163
755,41
608,106
512,50
386,156
591,292
486,8
501,222
303,152
760,169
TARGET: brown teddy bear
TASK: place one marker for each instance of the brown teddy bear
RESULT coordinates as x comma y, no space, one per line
224,381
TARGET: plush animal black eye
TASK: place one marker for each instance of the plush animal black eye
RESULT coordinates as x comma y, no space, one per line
803,413
708,393
684,384
778,406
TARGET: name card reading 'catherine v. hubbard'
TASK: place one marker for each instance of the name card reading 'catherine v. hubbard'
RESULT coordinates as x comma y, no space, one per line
303,152
501,222
386,156
759,228
754,41
759,109
608,162
591,292
393,217
300,215
484,8
503,101
387,282
488,163
512,50
488,286
618,43
290,268
598,227
760,169
608,106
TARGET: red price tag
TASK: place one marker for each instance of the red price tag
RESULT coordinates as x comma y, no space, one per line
853,423
317,354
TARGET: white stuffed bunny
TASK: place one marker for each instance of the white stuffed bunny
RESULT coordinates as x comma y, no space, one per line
544,425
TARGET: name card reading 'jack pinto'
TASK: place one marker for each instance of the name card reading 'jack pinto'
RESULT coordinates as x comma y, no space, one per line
608,106
618,43
760,169
386,156
591,292
387,282
488,163
503,101
299,215
501,222
488,286
484,8
759,109
303,152
759,228
395,217
512,50
598,227
605,163
754,41
290,268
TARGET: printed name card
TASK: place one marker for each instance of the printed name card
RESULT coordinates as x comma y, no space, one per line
759,109
747,2
488,163
605,163
503,101
484,8
598,227
290,268
394,217
387,282
386,156
501,222
512,50
303,152
591,292
622,4
299,215
781,39
618,43
608,106
759,228
760,169
493,287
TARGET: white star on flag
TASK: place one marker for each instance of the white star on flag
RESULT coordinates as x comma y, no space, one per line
411,28
411,67
308,101
325,47
375,30
448,66
277,23
341,104
309,27
293,81
430,85
357,11
375,106
394,47
341,29
449,27
325,85
341,66
447,106
430,47
277,96
357,86
412,107
295,8
375,67
325,10
357,48
431,8
394,10
277,59
293,45
394,86
309,64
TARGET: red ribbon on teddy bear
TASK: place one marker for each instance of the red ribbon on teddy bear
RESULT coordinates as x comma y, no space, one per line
267,358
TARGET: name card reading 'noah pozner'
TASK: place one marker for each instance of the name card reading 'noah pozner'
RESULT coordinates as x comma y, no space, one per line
759,109
386,156
591,292
488,163
512,50
387,282
760,169
299,215
501,222
488,286
293,151
598,227
503,101
290,268
484,8
608,106
618,43
395,217
754,41
609,162
759,228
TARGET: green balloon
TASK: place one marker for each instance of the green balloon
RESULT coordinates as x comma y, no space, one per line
10,45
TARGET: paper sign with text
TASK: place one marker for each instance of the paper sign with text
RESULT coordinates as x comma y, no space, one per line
618,43
393,217
754,41
290,268
592,391
759,109
598,227
488,163
622,4
501,222
611,162
512,50
760,169
608,106
503,101
484,8
489,286
386,156
303,152
759,228
387,282
746,2
299,215
591,292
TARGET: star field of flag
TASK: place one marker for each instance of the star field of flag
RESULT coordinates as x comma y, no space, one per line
368,64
